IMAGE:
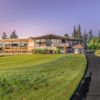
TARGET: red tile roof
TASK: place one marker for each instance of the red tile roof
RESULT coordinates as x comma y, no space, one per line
78,46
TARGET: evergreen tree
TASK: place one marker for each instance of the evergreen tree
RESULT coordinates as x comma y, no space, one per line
85,38
74,33
78,36
90,34
77,32
13,35
4,36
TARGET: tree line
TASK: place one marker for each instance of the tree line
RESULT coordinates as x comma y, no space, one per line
13,35
77,34
90,40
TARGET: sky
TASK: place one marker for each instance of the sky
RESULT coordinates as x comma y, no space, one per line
38,17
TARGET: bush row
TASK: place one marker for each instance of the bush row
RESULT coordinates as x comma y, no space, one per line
45,51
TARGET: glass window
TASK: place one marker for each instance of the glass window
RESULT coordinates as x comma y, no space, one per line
48,42
23,44
14,45
1,44
7,45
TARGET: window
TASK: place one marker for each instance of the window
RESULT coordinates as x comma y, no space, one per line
1,44
63,40
14,45
7,45
48,42
23,44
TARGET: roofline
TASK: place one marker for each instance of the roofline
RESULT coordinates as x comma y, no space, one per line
49,36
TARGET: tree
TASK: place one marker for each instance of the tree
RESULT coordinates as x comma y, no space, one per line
66,35
74,33
13,35
94,43
4,36
99,33
90,34
78,33
85,38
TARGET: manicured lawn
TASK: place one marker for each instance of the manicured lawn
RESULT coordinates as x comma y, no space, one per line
40,77
97,52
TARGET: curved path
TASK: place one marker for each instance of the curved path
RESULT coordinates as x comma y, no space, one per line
94,67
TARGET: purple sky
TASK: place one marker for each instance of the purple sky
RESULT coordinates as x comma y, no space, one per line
36,17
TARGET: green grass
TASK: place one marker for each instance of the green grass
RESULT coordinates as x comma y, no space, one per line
40,77
97,53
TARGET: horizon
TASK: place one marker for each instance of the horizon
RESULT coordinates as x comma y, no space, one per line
39,17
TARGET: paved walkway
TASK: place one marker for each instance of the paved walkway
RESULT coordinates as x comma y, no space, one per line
94,67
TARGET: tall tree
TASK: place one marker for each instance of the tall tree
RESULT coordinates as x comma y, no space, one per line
78,32
99,34
90,34
4,36
13,35
85,35
74,33
85,38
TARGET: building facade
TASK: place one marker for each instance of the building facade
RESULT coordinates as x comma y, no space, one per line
51,42
16,45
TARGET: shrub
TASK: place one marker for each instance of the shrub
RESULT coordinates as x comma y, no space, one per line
97,52
57,51
40,51
94,43
44,51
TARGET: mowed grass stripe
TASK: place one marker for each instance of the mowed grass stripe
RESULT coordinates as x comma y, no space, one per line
62,74
28,61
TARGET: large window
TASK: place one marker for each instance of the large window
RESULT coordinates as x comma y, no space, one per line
1,44
14,45
63,40
23,44
7,45
48,42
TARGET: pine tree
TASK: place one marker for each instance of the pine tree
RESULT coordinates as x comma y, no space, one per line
13,35
4,36
74,33
78,32
90,34
85,38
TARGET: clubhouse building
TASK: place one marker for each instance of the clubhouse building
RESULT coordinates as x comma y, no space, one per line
50,42
16,45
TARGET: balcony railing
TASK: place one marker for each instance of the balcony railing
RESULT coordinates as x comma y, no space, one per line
60,44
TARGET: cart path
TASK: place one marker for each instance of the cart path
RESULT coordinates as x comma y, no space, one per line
94,67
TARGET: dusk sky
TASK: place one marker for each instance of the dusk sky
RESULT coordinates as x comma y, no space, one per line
36,17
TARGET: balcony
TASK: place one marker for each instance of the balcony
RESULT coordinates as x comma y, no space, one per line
61,44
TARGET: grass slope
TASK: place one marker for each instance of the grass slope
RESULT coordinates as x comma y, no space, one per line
97,53
40,77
